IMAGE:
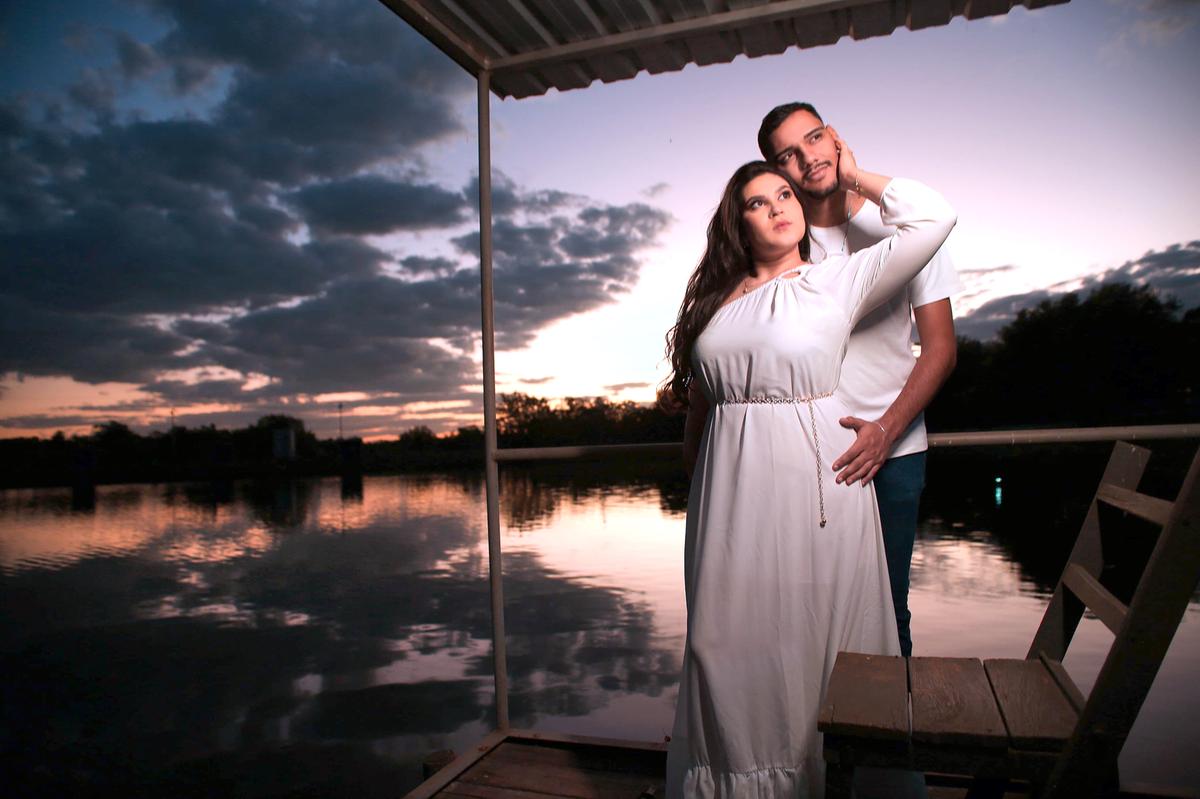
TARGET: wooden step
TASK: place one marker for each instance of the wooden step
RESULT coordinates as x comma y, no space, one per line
1144,506
1036,711
867,696
1099,599
952,703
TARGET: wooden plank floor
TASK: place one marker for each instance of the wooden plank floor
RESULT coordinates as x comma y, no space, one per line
536,766
529,765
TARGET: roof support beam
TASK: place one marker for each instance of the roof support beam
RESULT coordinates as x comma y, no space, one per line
712,23
445,39
491,473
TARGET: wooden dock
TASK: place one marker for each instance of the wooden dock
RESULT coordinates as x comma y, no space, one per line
521,764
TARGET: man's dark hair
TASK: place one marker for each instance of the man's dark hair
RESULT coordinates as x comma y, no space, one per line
774,119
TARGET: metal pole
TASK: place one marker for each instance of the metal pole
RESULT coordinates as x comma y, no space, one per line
491,474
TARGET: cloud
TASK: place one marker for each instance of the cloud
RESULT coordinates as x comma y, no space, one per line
1150,24
1163,21
136,59
988,270
188,259
986,320
374,204
326,119
554,266
374,332
1173,272
93,92
91,348
509,199
230,236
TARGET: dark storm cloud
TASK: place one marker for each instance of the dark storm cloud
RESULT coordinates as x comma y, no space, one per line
263,35
136,59
1173,273
109,259
327,119
185,214
11,123
509,199
35,421
371,333
366,335
185,393
421,267
94,347
94,92
375,204
550,267
229,238
986,320
613,230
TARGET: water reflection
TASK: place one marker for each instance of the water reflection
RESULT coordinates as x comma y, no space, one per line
176,624
320,637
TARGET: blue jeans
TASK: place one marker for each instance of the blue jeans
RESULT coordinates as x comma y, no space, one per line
898,485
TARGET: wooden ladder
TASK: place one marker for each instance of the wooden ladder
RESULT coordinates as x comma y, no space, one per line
1025,719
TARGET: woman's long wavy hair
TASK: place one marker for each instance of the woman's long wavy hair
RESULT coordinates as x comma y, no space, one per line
726,261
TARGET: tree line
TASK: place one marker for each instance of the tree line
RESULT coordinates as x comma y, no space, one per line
1118,355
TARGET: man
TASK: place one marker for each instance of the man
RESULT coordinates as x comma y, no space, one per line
882,383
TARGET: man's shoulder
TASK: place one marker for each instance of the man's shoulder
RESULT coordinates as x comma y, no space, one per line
868,225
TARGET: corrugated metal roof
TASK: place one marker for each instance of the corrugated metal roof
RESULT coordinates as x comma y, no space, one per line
531,46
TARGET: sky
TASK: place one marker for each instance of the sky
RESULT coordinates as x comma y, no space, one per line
228,209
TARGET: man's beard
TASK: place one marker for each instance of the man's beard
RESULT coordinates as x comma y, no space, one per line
820,194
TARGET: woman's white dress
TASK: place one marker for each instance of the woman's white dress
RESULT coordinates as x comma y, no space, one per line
772,595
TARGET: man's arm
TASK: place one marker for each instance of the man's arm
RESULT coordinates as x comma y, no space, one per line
939,351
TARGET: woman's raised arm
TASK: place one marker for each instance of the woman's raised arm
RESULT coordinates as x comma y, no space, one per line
922,218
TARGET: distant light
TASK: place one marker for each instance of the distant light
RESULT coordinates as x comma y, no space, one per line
999,491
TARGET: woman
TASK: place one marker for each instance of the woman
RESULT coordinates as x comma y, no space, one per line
784,567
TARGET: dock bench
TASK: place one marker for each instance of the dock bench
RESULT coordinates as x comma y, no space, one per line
1000,720
994,720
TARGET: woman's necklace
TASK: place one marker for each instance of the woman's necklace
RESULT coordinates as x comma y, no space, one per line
749,283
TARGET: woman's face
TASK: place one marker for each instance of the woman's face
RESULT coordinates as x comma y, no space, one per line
772,218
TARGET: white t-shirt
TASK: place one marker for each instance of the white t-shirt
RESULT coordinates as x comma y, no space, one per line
879,354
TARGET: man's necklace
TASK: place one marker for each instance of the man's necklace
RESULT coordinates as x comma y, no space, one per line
845,226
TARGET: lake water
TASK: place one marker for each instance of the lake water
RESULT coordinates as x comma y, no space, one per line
320,637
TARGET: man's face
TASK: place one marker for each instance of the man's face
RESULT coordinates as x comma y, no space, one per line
804,149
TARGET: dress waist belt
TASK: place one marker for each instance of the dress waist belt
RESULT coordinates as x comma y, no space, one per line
812,418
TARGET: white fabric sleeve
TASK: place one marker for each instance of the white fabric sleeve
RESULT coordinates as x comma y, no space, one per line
923,219
937,281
